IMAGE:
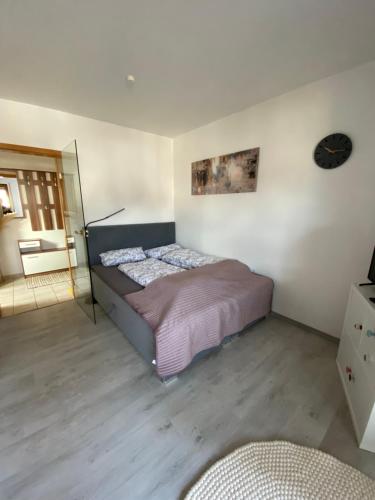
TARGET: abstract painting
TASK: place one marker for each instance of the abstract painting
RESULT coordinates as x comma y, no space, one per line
231,173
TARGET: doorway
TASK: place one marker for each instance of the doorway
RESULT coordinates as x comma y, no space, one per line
40,260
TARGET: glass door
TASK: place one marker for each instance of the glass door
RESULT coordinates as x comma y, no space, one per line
75,228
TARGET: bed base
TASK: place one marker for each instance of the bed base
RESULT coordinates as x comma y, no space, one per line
132,325
207,352
137,330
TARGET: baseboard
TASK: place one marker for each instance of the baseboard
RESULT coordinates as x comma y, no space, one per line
335,340
12,276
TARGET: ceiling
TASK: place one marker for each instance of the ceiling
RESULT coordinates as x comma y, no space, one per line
194,60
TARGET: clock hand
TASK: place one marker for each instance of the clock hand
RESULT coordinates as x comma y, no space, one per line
333,151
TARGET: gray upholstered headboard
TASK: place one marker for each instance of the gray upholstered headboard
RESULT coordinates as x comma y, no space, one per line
103,238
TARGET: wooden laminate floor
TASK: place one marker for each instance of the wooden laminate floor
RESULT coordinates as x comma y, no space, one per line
83,417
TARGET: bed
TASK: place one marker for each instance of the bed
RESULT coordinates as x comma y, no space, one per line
128,303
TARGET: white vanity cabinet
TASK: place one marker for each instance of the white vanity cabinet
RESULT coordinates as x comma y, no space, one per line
35,260
356,363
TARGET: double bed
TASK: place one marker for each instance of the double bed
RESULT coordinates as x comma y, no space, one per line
179,318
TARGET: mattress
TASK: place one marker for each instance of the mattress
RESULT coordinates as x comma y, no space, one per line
195,310
110,286
116,280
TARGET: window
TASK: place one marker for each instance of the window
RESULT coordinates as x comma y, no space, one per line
5,197
10,193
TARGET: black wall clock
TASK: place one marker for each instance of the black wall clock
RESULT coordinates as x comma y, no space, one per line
333,151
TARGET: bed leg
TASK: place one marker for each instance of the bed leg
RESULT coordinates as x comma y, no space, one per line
168,380
229,340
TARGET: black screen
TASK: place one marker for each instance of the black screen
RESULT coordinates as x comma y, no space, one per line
371,273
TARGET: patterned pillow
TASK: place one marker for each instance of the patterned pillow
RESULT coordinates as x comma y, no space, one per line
189,259
116,257
148,270
158,252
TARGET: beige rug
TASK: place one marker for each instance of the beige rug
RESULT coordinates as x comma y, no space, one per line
283,471
47,279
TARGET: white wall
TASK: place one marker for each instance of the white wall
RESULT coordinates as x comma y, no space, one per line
20,229
311,230
120,167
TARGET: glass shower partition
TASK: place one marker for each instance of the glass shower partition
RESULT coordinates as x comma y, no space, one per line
75,226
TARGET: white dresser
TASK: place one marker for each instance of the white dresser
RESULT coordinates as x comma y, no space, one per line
35,260
356,363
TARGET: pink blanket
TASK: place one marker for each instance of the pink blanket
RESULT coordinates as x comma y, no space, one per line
196,309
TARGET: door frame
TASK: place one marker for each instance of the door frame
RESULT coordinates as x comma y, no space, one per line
30,150
52,153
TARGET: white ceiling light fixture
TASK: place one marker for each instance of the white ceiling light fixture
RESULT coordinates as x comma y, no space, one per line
131,78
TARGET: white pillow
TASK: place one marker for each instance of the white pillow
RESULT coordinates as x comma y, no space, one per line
158,252
189,259
148,270
121,256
